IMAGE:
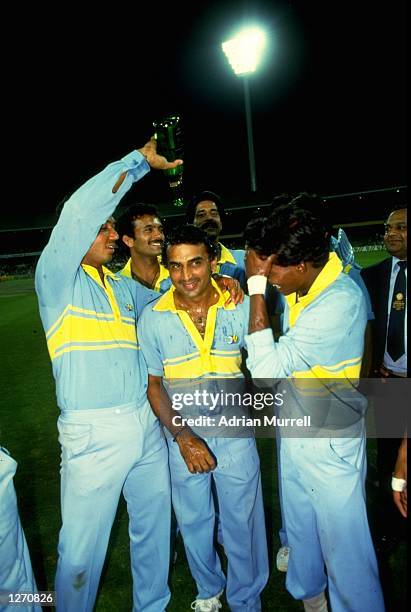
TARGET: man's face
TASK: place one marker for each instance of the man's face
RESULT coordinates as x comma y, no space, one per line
395,237
148,236
190,269
102,249
208,218
287,279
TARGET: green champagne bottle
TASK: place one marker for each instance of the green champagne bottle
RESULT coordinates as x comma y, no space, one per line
169,136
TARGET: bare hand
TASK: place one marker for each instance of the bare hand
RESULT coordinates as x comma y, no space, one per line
400,471
227,283
257,264
400,500
158,162
195,453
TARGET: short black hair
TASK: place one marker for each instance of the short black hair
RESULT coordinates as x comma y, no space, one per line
292,234
201,197
188,234
397,206
125,222
279,200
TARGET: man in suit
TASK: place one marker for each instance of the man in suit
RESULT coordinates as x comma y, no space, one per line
387,285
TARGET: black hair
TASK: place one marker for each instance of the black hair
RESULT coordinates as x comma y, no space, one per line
397,206
201,197
188,234
279,200
316,205
292,234
125,222
253,231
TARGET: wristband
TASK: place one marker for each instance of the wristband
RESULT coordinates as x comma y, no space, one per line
257,284
398,484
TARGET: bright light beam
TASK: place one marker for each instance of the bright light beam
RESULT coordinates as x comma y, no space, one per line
244,51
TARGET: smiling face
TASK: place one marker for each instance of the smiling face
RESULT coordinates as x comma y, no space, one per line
148,236
190,269
395,237
208,218
102,249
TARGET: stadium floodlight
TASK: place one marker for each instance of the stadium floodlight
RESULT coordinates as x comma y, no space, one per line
244,53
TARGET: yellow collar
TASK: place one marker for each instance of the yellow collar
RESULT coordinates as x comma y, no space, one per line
225,255
166,302
326,277
126,271
93,272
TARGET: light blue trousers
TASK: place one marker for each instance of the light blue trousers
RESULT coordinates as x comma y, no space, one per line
16,574
326,522
238,488
106,452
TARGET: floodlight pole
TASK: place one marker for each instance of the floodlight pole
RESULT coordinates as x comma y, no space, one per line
251,159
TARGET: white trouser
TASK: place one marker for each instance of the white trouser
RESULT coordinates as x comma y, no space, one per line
106,452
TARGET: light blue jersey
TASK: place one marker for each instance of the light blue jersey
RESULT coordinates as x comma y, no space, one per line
174,348
322,476
163,282
91,327
111,442
231,262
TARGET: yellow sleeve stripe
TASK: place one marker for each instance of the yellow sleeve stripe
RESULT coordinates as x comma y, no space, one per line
349,372
79,311
87,315
75,329
95,347
342,364
56,323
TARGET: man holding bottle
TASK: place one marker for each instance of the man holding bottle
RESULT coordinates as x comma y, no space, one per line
111,441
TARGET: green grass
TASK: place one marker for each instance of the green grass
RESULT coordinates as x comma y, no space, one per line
368,259
28,429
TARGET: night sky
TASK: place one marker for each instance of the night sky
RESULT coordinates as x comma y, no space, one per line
328,101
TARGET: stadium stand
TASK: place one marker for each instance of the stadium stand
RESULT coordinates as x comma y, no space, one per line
361,214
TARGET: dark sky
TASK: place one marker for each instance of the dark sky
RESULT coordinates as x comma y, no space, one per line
328,101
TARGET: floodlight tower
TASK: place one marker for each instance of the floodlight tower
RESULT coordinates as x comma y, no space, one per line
244,53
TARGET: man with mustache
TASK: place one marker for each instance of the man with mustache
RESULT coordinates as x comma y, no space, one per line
206,210
141,230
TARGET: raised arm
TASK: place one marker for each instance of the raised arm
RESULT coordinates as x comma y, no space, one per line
83,215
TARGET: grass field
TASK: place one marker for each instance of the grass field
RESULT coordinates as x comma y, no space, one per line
28,429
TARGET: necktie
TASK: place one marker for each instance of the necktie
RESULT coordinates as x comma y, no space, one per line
395,335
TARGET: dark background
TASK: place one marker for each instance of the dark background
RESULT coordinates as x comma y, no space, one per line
328,101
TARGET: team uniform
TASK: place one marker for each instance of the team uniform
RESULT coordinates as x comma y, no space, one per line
174,349
322,478
163,282
231,262
16,574
111,441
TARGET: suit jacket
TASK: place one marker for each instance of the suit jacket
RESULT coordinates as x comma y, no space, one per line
377,281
